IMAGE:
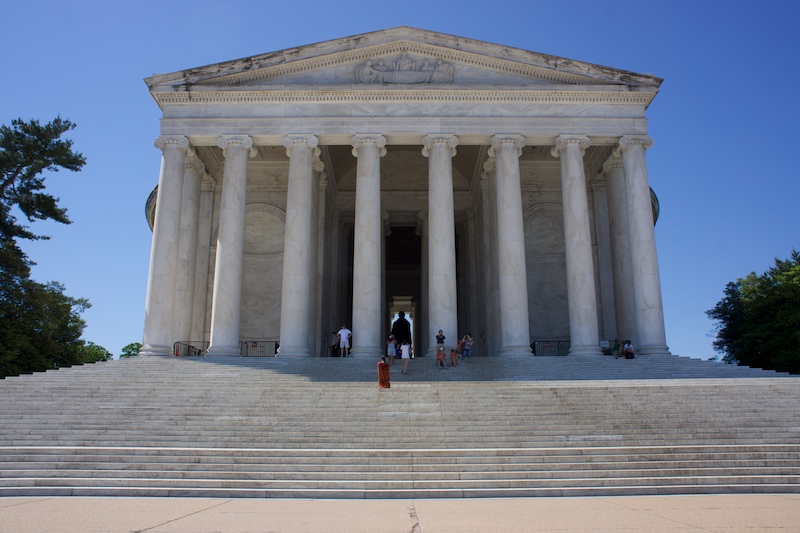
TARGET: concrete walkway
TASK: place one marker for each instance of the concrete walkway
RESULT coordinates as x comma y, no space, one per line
651,514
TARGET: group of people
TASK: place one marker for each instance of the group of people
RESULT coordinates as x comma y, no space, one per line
401,347
622,349
463,349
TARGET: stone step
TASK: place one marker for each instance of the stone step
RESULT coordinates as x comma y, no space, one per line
278,427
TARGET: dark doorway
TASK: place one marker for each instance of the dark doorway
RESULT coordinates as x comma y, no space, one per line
403,274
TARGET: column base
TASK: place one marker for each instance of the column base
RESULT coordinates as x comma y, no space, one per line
293,351
154,349
585,350
224,350
366,353
653,350
515,350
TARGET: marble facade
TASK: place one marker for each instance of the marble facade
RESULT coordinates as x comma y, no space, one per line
493,190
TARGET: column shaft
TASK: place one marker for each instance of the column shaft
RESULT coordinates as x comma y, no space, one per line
644,259
512,270
423,337
226,304
620,250
367,315
161,280
295,296
187,249
581,290
442,290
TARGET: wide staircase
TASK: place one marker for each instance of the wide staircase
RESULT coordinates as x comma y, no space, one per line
321,428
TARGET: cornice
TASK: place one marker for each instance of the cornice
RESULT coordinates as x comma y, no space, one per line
327,95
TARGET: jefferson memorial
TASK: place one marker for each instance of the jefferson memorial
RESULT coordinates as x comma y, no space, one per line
476,187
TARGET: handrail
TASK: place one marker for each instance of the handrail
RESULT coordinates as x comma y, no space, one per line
189,348
259,348
550,347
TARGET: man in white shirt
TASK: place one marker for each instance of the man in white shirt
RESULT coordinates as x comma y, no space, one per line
344,340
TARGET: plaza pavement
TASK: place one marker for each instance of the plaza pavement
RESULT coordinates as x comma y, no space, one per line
750,513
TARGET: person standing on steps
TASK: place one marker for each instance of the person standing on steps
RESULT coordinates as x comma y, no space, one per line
466,347
401,329
333,344
391,348
440,362
384,378
405,355
344,340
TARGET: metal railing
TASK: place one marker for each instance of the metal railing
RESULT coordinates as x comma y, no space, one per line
189,348
550,347
259,348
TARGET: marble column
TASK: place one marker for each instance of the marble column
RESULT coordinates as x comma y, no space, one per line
649,309
422,335
581,289
607,317
512,270
318,334
162,275
187,248
620,249
227,298
335,259
472,266
368,234
489,337
201,298
296,287
442,290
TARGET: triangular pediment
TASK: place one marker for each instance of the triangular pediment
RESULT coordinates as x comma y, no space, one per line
400,57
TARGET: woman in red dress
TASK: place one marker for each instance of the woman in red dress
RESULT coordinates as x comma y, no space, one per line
383,374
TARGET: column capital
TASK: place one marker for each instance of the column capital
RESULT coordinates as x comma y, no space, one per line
504,138
562,141
613,163
489,166
433,138
422,217
193,163
208,184
628,140
245,141
368,138
387,229
292,139
178,140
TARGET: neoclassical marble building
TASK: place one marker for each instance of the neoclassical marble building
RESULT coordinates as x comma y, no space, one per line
474,186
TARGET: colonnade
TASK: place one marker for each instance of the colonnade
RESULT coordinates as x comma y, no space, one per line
169,315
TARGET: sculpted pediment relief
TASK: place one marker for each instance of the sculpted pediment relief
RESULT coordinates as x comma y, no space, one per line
398,67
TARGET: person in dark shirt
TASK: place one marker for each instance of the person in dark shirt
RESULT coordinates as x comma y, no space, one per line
401,329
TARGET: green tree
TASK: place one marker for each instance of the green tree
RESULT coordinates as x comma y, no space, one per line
27,149
40,326
759,318
132,349
93,353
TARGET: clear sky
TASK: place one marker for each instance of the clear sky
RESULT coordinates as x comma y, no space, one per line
726,122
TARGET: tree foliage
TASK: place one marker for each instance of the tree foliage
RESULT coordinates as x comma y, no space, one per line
40,326
94,353
759,318
130,350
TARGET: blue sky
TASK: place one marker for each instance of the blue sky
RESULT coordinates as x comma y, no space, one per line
725,123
